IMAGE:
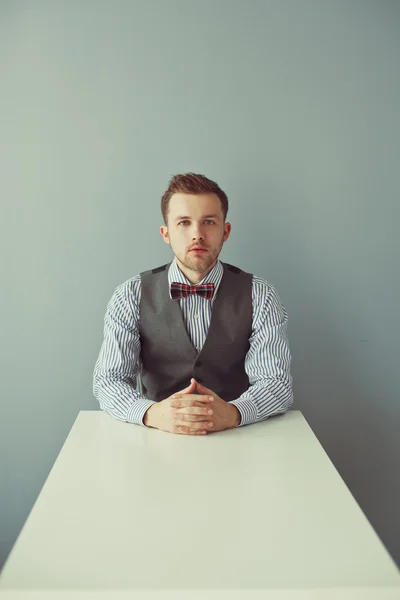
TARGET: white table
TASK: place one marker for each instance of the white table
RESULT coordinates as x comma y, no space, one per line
255,508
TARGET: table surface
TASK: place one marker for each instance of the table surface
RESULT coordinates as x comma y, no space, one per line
258,508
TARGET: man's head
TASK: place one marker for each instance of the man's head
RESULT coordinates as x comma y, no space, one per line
194,209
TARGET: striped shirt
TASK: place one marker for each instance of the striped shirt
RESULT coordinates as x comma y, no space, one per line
267,363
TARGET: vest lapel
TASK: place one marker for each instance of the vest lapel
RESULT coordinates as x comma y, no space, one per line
177,326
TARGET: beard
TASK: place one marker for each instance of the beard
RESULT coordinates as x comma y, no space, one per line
199,263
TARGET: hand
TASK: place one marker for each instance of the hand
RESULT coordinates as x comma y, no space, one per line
161,415
225,415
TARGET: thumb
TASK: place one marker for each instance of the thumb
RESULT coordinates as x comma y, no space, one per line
189,389
201,388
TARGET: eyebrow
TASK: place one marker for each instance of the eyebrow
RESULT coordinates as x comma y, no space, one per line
204,217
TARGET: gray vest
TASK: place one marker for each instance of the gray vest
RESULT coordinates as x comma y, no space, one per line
168,357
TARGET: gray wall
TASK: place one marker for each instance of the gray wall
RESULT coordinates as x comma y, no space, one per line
293,107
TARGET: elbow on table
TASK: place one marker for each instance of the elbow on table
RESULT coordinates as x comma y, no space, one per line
285,396
289,400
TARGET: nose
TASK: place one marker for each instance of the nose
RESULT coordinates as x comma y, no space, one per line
197,233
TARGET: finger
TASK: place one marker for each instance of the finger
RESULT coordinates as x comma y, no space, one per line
191,418
202,404
199,397
189,400
194,411
195,425
184,429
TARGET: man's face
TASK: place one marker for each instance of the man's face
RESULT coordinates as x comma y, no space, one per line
195,220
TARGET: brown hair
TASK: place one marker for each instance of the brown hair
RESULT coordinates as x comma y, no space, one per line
192,183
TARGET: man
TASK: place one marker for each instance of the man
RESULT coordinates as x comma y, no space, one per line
209,340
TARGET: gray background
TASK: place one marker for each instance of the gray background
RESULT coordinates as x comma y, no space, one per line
293,108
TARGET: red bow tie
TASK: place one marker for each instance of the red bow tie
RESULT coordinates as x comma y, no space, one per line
181,290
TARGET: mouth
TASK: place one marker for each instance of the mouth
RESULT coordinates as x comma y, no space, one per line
198,250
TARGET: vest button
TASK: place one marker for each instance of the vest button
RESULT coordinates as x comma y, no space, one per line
199,363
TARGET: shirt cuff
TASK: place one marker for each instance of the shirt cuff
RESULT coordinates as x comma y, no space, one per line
247,409
137,411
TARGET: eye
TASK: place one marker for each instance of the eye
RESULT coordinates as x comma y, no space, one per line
206,221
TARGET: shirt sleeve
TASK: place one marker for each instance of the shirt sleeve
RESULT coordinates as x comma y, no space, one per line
118,363
268,359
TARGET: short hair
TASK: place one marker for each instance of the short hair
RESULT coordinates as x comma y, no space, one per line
192,183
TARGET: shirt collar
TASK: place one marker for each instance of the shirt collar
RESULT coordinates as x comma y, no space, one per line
214,276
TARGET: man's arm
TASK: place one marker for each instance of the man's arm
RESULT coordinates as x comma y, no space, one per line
267,362
117,366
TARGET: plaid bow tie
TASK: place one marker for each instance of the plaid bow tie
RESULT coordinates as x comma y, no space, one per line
181,290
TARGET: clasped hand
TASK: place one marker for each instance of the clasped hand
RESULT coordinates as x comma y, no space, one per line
191,413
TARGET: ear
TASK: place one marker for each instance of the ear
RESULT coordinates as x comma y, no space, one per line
164,233
227,231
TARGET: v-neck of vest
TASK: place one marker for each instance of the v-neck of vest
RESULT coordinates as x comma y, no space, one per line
189,344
